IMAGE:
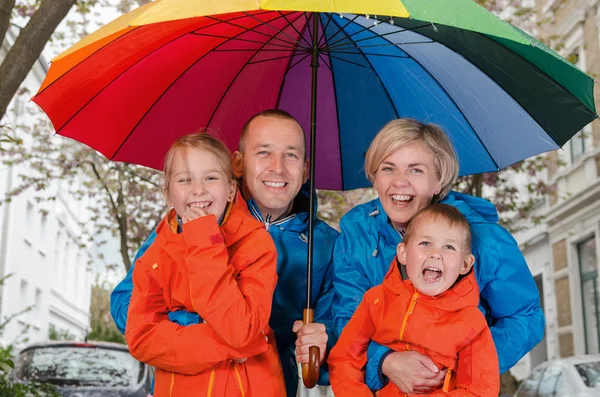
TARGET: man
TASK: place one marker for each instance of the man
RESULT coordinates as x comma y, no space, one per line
272,165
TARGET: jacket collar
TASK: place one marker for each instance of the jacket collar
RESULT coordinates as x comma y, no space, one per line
464,293
253,208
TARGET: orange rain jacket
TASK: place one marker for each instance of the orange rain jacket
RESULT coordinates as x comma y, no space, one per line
448,328
225,274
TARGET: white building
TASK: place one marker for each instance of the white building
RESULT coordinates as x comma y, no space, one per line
562,253
40,247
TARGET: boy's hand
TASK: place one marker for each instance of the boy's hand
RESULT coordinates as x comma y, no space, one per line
311,334
413,372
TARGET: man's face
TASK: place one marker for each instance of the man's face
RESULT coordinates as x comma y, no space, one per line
272,165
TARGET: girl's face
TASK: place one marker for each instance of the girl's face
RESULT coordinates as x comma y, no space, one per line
198,181
406,181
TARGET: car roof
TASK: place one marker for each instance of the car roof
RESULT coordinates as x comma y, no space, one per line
570,361
72,343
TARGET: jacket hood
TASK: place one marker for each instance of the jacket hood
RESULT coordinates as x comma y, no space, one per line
237,222
464,293
475,209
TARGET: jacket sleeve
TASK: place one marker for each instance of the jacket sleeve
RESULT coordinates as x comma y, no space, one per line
155,340
477,373
349,356
121,295
350,284
511,297
237,309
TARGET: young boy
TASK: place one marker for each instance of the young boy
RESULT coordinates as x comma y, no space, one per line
434,312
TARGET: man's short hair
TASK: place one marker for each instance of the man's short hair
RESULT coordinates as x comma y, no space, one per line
274,113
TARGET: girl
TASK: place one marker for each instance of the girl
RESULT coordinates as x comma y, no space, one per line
213,258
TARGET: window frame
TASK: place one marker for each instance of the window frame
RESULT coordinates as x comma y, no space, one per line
584,278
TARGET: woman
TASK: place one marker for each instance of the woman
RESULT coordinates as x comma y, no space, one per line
411,166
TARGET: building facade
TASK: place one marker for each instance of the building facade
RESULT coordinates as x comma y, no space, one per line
41,247
562,252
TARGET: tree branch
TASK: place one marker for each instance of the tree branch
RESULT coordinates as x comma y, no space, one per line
6,7
28,47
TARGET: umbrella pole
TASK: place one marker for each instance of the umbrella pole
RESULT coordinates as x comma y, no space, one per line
310,371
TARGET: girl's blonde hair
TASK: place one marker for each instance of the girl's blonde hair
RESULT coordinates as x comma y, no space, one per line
201,141
400,132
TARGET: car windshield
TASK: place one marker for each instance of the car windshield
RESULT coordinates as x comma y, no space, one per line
80,366
590,373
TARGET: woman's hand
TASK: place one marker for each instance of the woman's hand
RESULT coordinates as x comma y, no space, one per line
311,334
413,372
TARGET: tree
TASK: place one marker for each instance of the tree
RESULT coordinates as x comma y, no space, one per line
101,323
29,44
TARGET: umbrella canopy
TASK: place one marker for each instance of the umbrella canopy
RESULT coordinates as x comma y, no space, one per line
175,66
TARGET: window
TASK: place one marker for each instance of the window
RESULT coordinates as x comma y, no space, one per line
588,268
24,293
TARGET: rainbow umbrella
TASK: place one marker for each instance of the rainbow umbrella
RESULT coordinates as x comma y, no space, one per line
343,68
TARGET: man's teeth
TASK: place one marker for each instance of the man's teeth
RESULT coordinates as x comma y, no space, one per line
275,184
401,197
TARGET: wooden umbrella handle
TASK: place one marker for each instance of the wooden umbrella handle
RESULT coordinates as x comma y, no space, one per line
310,371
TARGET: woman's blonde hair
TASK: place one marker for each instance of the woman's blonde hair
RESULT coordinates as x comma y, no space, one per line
202,141
400,132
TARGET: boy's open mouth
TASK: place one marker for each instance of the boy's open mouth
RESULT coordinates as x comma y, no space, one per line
432,274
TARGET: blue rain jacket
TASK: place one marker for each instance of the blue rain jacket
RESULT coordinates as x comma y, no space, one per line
509,296
290,236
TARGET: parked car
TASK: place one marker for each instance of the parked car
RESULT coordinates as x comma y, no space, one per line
90,369
577,376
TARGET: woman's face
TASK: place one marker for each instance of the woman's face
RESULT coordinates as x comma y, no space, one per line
406,181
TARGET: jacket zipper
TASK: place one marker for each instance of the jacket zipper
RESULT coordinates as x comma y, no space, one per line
411,308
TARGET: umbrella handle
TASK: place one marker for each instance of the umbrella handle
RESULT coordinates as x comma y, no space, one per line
310,371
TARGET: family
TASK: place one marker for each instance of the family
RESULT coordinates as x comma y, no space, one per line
422,291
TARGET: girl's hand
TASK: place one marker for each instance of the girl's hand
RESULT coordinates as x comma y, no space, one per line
192,213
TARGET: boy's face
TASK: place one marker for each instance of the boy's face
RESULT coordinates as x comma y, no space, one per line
435,256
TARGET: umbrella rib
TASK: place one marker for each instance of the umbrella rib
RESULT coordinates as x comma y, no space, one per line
350,62
323,36
306,55
270,59
289,67
164,92
336,44
242,40
341,29
378,78
235,78
344,46
337,115
252,50
248,30
367,53
297,31
322,57
297,42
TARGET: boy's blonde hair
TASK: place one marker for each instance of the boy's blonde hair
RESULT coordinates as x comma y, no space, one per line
400,132
440,213
201,141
